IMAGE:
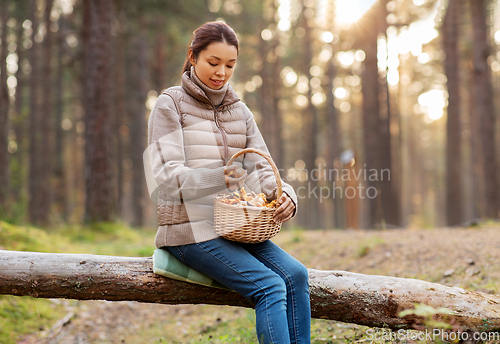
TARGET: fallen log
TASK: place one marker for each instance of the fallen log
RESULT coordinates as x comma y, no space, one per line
369,300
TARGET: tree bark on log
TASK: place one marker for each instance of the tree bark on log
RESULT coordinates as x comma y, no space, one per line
337,295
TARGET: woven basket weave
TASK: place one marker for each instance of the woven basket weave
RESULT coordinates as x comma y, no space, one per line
247,224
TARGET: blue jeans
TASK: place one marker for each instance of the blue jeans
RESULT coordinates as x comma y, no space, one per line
265,274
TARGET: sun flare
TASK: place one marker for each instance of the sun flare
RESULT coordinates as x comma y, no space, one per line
349,11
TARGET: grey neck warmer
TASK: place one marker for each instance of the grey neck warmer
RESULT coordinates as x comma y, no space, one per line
215,96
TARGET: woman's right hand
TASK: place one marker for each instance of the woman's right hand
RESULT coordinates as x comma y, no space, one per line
234,177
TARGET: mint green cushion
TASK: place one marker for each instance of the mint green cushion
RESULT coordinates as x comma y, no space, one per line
168,265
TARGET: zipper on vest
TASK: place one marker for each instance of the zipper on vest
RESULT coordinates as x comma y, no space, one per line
223,133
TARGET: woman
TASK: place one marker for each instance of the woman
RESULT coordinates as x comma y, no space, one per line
193,130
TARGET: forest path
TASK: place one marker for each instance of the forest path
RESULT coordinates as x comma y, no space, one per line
465,257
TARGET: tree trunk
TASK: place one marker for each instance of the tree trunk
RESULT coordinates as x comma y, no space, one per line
333,140
333,144
59,175
389,195
265,91
451,32
138,127
269,91
276,83
278,153
475,157
35,195
120,104
159,74
99,197
4,112
371,118
485,106
312,204
18,179
337,295
46,121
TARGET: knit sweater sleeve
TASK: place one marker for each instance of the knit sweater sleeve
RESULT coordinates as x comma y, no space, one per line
261,176
167,157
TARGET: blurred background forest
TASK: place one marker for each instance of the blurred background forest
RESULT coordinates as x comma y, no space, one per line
380,113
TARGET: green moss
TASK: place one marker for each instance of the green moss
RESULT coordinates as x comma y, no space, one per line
105,239
26,238
23,315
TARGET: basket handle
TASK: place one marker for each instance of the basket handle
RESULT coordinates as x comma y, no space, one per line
266,156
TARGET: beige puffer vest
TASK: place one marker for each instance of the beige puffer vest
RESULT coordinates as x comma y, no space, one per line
189,142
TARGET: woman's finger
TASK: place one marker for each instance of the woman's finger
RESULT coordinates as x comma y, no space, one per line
285,211
283,204
285,216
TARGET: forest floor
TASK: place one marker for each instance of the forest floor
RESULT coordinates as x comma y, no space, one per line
465,257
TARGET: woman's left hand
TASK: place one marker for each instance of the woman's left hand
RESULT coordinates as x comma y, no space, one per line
285,210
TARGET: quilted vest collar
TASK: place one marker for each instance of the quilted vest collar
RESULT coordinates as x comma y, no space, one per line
197,93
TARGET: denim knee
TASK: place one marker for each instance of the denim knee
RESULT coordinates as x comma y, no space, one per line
299,274
274,288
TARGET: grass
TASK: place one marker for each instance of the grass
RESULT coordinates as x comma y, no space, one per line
21,315
104,238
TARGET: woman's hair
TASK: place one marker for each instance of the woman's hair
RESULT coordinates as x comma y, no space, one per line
208,33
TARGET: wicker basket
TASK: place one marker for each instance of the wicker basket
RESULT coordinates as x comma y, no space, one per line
247,224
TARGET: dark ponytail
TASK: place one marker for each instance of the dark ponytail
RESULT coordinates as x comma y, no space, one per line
208,33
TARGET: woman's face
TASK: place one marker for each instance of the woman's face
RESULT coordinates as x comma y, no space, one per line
215,64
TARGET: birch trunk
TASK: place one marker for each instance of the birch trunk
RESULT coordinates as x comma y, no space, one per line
337,295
